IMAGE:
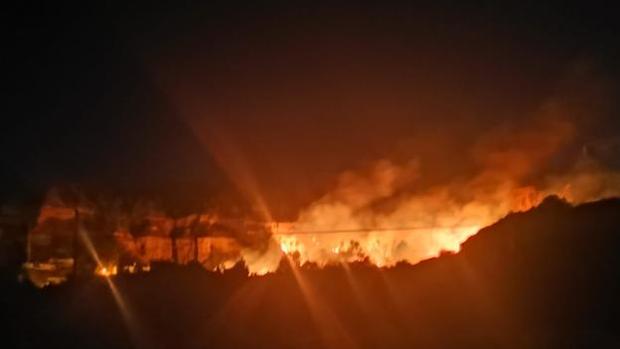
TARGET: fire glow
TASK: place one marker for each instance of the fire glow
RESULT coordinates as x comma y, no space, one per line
377,215
331,231
106,271
346,225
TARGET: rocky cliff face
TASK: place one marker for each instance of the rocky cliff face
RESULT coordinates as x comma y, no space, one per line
213,252
138,236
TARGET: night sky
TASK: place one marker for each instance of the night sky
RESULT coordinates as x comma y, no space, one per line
184,102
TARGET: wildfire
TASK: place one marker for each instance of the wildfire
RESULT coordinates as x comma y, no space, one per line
381,247
345,225
378,216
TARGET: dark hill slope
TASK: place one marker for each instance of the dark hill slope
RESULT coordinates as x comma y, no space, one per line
547,278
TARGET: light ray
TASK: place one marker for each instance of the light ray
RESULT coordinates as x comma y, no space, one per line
332,333
122,305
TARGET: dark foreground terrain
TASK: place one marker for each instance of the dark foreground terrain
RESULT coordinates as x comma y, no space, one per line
546,278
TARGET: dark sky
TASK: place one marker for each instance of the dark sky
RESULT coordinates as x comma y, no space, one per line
178,101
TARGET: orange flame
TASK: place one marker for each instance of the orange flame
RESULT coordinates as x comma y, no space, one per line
106,271
338,228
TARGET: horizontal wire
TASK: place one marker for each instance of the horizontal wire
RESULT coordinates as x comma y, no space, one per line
367,230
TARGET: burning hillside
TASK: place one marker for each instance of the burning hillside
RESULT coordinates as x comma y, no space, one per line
388,211
345,227
376,216
380,215
350,175
408,206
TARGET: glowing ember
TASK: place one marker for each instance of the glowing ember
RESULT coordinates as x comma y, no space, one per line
106,271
